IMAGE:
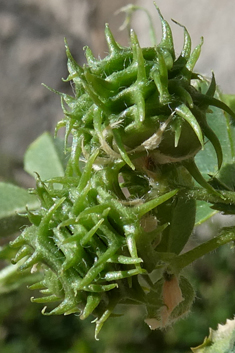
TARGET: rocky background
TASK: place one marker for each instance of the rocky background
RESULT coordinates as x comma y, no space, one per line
32,51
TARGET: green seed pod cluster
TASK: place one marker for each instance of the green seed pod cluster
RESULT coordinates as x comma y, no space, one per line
137,120
141,92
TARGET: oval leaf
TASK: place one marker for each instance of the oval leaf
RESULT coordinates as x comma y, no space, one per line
13,201
43,157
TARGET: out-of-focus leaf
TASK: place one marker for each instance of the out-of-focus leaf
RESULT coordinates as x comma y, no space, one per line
220,341
11,279
44,157
229,99
13,201
7,252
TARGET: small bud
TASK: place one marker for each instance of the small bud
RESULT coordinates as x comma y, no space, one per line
172,296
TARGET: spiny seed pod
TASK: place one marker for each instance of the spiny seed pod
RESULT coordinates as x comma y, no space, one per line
86,238
141,102
103,228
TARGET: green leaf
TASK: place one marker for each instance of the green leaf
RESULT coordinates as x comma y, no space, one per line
13,200
229,99
180,214
226,176
182,223
7,252
224,128
44,157
203,212
220,341
11,278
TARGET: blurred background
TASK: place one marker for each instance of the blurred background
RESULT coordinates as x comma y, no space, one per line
32,51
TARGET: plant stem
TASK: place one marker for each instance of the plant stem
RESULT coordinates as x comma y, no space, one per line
227,197
181,261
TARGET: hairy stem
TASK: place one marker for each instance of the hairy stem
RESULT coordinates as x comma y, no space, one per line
178,263
227,197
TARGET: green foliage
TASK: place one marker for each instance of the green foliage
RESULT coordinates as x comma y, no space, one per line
14,201
221,340
146,158
45,157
